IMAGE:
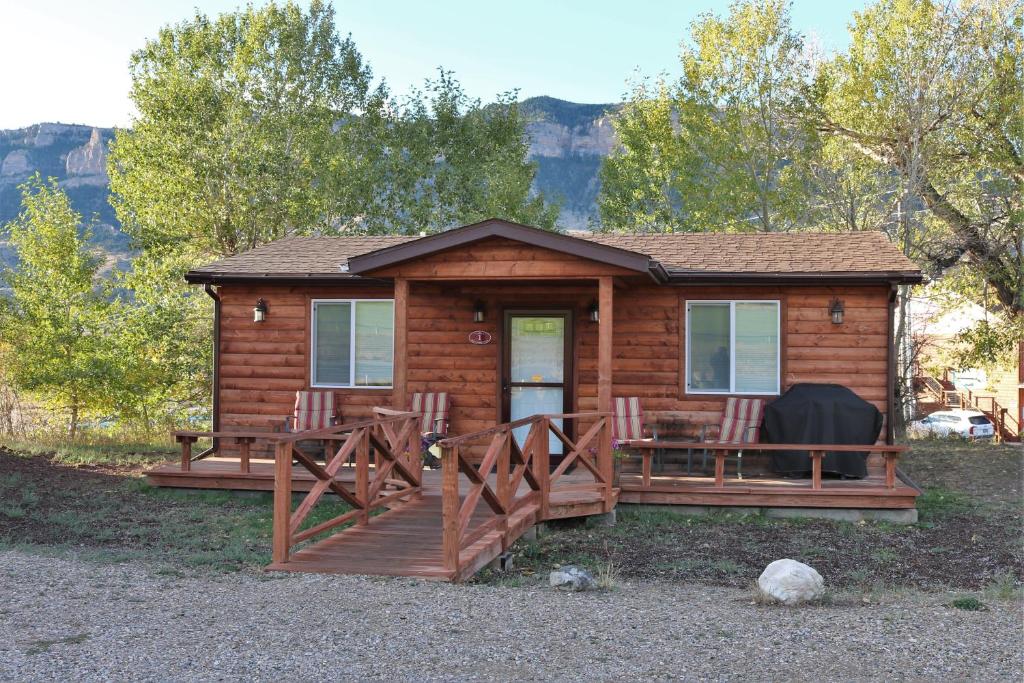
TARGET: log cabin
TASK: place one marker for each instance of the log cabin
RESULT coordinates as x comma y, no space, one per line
512,321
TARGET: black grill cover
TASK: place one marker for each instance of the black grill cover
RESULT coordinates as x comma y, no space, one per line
820,414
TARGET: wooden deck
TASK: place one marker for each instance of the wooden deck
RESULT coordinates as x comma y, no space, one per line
224,473
447,524
669,488
766,491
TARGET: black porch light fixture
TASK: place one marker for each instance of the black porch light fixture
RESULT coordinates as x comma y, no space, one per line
478,312
259,311
595,312
836,310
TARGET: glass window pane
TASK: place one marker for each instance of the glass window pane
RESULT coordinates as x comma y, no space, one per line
375,332
538,349
708,338
333,343
757,348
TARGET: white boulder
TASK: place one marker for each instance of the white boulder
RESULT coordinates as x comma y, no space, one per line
572,578
791,582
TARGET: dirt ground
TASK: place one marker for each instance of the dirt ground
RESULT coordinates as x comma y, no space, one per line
969,535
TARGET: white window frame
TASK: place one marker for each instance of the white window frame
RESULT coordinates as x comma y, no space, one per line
352,345
732,347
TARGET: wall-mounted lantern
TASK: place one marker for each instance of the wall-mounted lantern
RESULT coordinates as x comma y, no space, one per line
478,312
595,312
836,310
259,311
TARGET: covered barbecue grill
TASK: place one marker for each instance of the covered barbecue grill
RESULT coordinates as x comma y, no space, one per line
821,414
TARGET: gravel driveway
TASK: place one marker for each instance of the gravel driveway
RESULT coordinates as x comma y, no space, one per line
66,617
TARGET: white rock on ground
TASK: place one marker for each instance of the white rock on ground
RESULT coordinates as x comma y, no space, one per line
573,578
791,582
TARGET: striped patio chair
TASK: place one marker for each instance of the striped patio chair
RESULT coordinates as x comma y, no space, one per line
740,423
434,407
627,421
313,410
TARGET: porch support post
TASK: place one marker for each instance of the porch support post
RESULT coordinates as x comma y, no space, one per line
398,391
606,291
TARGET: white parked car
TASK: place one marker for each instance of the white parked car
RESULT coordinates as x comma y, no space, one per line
967,424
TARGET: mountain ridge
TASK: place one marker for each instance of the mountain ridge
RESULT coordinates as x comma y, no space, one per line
567,140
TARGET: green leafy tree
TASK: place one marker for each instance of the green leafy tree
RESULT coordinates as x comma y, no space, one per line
436,159
235,128
56,320
932,93
262,123
160,331
715,150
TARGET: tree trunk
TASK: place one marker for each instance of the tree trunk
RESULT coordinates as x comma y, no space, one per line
73,421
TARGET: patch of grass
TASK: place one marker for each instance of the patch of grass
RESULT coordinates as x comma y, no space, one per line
968,603
19,496
1004,588
43,645
939,502
104,454
884,556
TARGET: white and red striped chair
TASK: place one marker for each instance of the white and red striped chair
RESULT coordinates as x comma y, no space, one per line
313,410
434,406
628,421
740,423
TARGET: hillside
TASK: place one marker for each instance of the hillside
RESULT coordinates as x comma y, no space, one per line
567,140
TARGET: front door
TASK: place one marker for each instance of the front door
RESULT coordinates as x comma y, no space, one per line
537,377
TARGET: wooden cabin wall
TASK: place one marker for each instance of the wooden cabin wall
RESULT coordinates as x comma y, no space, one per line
648,338
263,365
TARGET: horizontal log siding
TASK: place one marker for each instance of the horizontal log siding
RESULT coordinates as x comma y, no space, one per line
263,365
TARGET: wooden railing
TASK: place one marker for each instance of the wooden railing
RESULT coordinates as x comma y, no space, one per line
721,450
393,439
1006,425
395,477
508,465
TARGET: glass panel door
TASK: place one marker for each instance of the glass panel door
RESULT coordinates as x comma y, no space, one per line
536,373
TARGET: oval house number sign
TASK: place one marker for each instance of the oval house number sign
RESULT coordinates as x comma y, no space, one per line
480,337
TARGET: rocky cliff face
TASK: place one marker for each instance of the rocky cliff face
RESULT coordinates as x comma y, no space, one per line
90,159
568,142
77,157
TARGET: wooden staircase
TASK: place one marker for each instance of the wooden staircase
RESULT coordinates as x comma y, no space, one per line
940,394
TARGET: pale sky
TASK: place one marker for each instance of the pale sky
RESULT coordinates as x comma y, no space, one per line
67,60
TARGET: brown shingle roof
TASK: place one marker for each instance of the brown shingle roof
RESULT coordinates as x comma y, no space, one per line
804,252
689,254
300,256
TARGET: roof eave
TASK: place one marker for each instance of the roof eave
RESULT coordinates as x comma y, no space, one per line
720,277
214,278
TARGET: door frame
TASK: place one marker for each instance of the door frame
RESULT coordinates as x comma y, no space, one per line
568,371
